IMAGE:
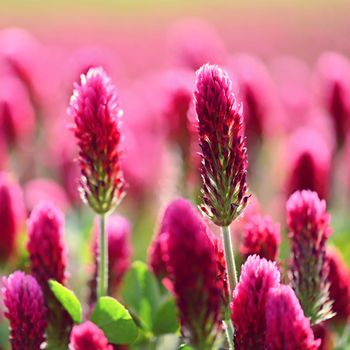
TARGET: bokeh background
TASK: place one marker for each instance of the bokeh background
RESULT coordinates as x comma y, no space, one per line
286,60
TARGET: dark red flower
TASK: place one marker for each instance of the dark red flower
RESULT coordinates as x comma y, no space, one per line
309,227
222,142
261,236
191,265
87,336
286,325
26,311
258,276
94,108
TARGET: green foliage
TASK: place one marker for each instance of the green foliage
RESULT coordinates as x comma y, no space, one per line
166,320
115,321
68,300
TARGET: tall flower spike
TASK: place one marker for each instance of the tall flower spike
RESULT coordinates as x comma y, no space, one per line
119,251
47,254
26,311
12,214
222,142
309,227
287,327
94,107
192,268
261,236
87,336
258,276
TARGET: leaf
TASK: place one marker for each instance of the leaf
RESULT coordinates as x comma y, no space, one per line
115,321
141,293
185,347
166,319
67,299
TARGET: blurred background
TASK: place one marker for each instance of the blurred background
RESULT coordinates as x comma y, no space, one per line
289,64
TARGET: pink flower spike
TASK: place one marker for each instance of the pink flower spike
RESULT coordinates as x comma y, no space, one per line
25,310
94,108
87,336
223,146
286,325
258,276
261,236
308,222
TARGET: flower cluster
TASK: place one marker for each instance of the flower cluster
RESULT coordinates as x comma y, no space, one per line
222,143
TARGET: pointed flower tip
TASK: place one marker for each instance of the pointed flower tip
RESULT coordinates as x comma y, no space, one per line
25,310
223,146
96,113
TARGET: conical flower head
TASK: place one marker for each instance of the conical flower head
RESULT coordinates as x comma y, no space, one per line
286,325
309,227
26,311
258,276
87,336
222,143
12,213
192,268
94,107
261,236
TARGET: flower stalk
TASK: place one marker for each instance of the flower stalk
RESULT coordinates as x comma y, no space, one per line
102,285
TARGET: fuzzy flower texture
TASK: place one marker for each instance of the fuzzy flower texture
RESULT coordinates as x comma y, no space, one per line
223,146
26,311
94,108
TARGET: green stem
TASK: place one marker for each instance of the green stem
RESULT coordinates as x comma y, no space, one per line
230,259
102,280
229,333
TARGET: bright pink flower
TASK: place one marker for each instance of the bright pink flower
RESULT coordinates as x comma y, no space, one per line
286,325
26,311
309,227
258,276
94,107
87,336
222,143
16,112
261,236
333,73
12,214
47,251
339,291
192,267
309,163
119,252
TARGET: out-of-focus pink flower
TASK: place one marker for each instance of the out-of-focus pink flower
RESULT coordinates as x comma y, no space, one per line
262,237
333,84
193,42
12,215
248,306
26,311
45,190
192,267
222,142
47,251
119,252
87,336
47,254
286,325
16,112
324,335
308,222
309,163
339,291
94,108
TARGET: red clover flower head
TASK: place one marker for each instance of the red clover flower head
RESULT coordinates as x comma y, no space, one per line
261,236
286,325
309,227
25,310
258,276
223,146
87,336
94,108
